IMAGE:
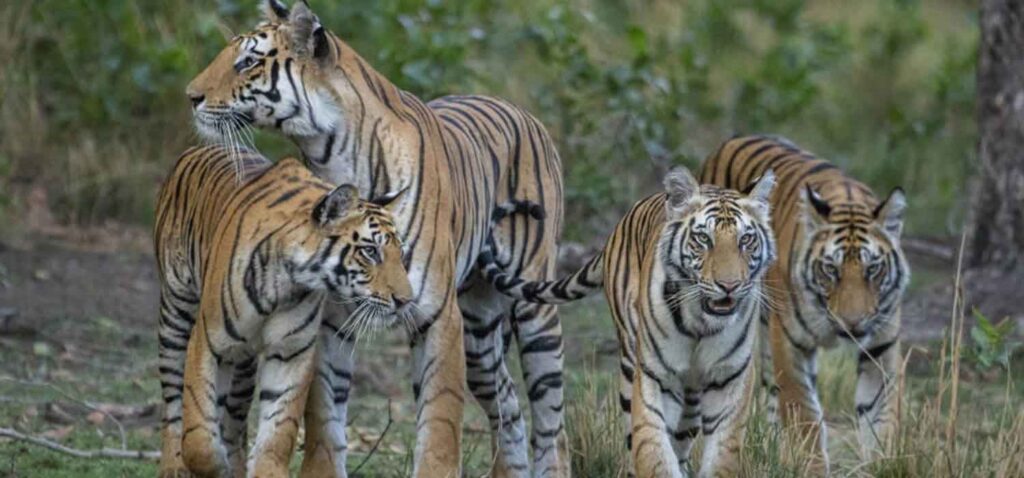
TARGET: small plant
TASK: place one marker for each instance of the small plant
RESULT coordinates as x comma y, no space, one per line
991,344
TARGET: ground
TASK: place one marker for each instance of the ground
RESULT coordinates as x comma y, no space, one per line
78,361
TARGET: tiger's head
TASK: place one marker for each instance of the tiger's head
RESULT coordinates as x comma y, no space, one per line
715,248
851,268
275,76
351,248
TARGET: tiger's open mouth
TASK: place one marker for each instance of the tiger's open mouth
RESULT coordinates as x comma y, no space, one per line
722,307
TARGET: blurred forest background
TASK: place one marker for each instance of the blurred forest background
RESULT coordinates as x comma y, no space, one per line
93,114
93,111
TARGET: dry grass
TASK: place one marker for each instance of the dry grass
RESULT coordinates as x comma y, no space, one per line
596,439
946,427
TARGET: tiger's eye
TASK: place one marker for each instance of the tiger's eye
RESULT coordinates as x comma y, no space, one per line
370,253
746,240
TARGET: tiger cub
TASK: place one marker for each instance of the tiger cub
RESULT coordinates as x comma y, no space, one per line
841,274
250,263
682,274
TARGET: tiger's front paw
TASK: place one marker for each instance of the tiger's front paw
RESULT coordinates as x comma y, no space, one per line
178,472
205,456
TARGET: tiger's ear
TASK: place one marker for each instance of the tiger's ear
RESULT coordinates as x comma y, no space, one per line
335,204
680,187
309,39
389,199
890,213
275,11
760,191
816,209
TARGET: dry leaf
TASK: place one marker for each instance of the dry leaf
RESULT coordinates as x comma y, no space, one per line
96,418
58,434
54,413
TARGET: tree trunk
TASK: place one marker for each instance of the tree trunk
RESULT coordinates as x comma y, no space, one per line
995,222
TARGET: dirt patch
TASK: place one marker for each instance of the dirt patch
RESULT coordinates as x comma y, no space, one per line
51,280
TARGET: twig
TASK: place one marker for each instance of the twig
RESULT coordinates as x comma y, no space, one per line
102,453
929,248
86,404
956,338
376,444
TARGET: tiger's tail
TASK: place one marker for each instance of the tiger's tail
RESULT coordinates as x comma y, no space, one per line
585,281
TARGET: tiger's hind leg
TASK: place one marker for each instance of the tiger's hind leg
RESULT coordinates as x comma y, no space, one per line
177,316
539,337
234,412
202,449
484,313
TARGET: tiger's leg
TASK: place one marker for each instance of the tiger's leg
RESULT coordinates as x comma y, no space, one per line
234,411
653,455
285,375
878,369
326,446
202,449
489,380
724,415
795,368
687,427
177,317
539,337
439,378
769,394
626,404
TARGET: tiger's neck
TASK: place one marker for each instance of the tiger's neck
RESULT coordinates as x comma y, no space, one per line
369,132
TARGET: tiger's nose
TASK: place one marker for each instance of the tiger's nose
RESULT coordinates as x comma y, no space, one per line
399,301
728,286
196,98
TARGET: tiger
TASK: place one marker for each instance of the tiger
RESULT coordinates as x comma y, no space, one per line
250,264
841,274
682,273
457,157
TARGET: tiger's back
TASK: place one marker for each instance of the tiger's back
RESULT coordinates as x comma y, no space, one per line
193,199
740,161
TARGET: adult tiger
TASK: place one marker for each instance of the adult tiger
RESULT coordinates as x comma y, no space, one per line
682,272
841,273
458,157
250,263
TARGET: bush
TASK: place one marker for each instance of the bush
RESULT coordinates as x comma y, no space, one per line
93,105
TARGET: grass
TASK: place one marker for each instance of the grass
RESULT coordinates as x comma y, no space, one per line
950,427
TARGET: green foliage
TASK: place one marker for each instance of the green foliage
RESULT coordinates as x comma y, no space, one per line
991,344
93,104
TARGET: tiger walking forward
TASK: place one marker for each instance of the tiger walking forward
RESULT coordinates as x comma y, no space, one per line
841,274
682,274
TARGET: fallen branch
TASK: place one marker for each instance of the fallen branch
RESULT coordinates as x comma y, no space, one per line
103,453
90,406
929,248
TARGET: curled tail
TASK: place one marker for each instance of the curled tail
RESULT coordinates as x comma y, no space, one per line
585,281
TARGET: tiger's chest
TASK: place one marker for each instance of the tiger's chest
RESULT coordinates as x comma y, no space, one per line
688,355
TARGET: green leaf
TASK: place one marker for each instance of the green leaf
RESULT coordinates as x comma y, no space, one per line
637,40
